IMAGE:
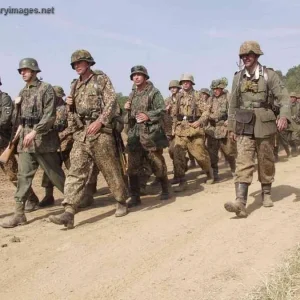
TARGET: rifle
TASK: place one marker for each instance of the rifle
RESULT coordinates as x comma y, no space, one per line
15,134
72,108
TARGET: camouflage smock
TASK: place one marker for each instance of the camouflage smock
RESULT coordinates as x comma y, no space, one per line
6,112
150,135
168,117
95,99
188,104
219,107
39,95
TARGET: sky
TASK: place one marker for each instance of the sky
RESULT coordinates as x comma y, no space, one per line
169,38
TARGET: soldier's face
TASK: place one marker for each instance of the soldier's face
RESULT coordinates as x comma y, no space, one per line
139,79
186,85
205,96
174,90
298,100
218,92
293,99
27,74
249,59
81,67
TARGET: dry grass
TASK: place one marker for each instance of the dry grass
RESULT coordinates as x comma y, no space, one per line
283,284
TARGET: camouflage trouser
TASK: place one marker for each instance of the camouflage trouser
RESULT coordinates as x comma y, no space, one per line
171,148
65,158
155,160
10,169
196,146
245,162
227,147
102,152
28,165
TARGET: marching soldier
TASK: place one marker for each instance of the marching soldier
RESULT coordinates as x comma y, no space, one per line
38,142
146,136
252,123
190,117
217,133
94,106
205,94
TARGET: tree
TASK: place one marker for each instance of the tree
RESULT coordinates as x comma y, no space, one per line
121,99
292,79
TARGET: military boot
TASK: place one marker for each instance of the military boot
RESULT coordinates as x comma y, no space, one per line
175,180
215,169
192,163
122,209
266,195
210,176
182,185
165,194
66,218
294,150
48,200
135,199
18,218
239,205
232,166
32,202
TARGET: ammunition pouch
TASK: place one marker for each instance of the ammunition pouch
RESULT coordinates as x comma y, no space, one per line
245,121
29,121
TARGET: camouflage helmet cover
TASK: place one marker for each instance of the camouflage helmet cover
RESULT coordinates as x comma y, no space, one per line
139,70
293,94
187,77
29,63
59,91
82,55
250,47
205,91
174,83
219,83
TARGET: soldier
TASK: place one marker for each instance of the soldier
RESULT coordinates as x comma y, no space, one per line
217,133
94,105
11,167
252,123
294,127
65,133
190,117
205,94
298,97
146,136
38,142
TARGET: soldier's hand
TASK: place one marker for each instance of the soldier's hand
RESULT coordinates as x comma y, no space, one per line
94,127
69,100
127,105
141,117
232,136
282,123
226,123
28,139
196,124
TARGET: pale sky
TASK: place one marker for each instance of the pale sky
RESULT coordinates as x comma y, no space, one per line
168,38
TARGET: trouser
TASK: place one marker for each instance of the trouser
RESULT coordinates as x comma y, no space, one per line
28,165
247,147
155,159
102,152
196,146
227,147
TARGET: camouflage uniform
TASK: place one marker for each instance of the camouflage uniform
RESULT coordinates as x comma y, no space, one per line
190,108
294,126
217,133
95,101
251,117
146,140
37,113
65,133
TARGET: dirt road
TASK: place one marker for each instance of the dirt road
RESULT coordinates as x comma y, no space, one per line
188,248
